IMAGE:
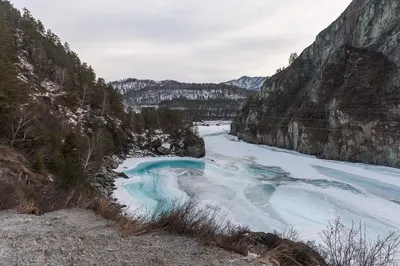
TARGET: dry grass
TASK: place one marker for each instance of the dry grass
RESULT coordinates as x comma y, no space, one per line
187,219
207,226
28,207
281,255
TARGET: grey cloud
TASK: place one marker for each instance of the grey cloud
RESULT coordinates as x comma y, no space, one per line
160,28
196,40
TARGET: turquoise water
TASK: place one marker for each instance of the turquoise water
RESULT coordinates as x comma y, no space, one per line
154,188
147,167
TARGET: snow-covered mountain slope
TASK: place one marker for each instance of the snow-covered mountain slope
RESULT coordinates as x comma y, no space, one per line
144,92
249,83
129,84
156,94
190,96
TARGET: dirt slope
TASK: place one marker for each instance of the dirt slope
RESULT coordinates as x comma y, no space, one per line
79,237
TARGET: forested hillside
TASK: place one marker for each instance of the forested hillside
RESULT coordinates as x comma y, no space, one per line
53,107
56,115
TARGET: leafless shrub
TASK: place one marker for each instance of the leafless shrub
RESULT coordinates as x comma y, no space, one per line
94,146
351,247
288,233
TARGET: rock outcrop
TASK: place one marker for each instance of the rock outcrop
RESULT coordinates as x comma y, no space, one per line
340,99
183,143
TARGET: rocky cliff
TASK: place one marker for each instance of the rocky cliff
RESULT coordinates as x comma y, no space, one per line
340,99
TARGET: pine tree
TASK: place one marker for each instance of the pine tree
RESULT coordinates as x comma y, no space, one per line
292,58
38,163
11,93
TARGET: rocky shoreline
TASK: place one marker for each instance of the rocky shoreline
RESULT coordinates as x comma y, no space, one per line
181,144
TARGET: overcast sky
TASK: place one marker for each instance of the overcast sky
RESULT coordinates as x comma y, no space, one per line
185,40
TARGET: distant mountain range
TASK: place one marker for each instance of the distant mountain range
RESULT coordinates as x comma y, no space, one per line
249,83
204,100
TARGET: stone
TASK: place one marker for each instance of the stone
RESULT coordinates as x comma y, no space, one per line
164,149
114,164
123,175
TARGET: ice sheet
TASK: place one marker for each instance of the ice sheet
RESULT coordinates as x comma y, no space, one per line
266,188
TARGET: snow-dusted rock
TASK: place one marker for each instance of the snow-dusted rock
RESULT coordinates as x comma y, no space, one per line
165,148
249,83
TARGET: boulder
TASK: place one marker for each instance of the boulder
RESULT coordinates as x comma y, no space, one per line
164,149
123,175
155,144
114,164
196,148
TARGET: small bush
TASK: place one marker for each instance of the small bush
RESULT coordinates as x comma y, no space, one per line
38,163
288,233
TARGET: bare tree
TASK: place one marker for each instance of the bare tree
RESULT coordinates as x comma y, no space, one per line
61,73
21,125
94,147
85,88
351,247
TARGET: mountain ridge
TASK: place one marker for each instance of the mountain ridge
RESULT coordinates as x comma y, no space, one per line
215,101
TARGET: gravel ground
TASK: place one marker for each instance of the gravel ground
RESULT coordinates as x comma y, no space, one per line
79,237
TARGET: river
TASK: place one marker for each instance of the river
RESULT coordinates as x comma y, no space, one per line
267,188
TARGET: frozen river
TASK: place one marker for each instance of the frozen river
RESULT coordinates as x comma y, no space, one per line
267,188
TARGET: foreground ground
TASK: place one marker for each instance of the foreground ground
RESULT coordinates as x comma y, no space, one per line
79,237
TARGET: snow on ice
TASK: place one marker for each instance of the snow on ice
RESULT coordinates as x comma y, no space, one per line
267,188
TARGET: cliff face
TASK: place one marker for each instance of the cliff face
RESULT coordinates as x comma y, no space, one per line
340,99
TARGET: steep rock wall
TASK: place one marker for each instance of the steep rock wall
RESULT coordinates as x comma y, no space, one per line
341,98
